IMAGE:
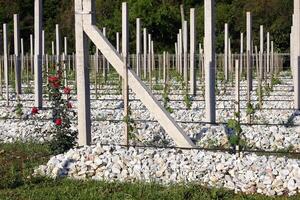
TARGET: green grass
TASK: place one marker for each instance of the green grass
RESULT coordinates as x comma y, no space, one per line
24,157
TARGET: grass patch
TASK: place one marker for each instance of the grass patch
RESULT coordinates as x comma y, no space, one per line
24,157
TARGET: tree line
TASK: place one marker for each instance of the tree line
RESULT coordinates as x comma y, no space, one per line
162,18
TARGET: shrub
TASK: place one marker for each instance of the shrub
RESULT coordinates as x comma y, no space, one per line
63,137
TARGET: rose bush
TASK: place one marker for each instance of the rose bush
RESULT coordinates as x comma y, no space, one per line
64,137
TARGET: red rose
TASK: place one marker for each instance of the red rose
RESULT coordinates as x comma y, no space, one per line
58,122
56,84
67,90
34,111
69,105
52,79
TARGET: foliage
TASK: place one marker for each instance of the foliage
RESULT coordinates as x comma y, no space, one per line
19,109
250,110
166,98
275,80
267,89
234,137
63,137
160,17
132,128
28,90
158,87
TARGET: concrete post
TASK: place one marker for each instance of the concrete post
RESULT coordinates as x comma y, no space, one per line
176,56
22,55
241,53
185,53
237,87
261,49
192,52
65,46
268,52
272,59
118,42
149,60
43,51
38,68
249,51
5,58
125,50
145,52
180,51
229,70
226,51
138,46
104,69
82,76
31,54
296,54
18,83
152,56
57,44
52,48
65,55
209,59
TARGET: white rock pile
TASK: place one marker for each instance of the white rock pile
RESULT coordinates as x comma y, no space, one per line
249,174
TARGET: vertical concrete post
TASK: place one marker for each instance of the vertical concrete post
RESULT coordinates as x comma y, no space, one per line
249,51
22,55
5,58
57,43
104,66
192,52
38,69
31,54
43,52
185,53
268,52
226,51
152,56
272,59
180,51
82,76
43,42
176,55
118,42
125,50
149,60
1,77
237,87
138,46
209,59
261,68
18,83
241,53
52,48
296,54
261,49
145,52
65,55
65,46
229,70
164,68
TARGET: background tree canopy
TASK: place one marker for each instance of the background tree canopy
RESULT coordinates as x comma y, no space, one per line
161,18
